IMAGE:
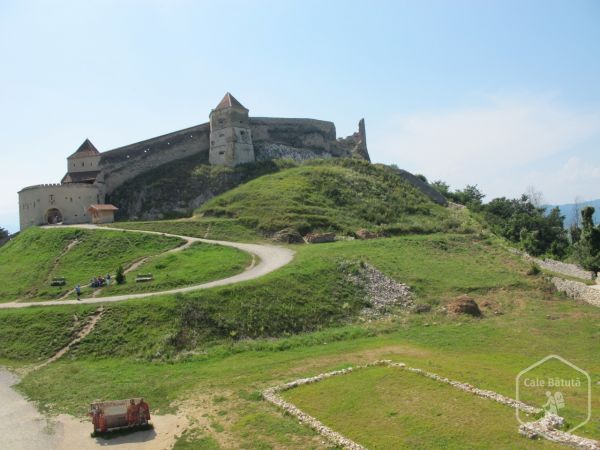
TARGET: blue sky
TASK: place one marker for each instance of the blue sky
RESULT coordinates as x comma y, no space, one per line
503,94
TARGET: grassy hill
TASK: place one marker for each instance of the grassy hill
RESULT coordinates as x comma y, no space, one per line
211,352
228,343
324,195
30,261
336,195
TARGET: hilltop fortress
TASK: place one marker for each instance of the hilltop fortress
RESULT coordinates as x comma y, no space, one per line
231,137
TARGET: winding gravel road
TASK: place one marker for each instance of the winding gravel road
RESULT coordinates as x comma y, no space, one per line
23,427
270,258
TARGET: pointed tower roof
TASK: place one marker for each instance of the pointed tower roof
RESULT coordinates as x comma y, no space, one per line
229,101
86,149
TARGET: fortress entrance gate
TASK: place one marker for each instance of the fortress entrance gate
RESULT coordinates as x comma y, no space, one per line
53,216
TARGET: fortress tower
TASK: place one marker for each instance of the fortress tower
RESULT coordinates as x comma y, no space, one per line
230,135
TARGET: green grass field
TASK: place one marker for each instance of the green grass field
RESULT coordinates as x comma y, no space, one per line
28,263
197,264
384,408
230,343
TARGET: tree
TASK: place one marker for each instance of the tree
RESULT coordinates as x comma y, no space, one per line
442,187
587,250
576,212
3,233
120,275
421,177
470,196
521,222
574,233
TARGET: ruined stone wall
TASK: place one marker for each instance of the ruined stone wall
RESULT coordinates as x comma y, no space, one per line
71,200
577,290
124,163
355,144
570,270
296,139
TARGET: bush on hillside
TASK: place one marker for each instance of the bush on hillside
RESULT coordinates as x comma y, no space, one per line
120,275
587,250
521,222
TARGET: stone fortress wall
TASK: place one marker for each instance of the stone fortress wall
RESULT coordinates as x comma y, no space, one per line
231,137
70,200
124,163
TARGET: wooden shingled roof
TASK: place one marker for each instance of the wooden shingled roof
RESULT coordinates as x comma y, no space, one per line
85,150
229,101
103,207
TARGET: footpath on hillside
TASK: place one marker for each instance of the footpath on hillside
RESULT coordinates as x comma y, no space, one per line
269,257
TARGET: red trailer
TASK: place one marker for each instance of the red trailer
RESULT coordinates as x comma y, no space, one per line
118,414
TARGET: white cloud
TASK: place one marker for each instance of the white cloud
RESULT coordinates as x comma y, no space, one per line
575,178
495,145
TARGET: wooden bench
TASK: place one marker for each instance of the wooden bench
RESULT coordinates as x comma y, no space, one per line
58,282
143,277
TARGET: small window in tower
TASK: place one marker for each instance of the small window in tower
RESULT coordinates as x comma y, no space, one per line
221,153
221,135
243,132
221,121
82,164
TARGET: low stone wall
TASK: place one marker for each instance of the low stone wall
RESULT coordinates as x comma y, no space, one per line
272,395
577,290
548,427
570,270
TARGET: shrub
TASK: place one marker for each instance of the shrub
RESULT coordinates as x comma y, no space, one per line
120,276
534,269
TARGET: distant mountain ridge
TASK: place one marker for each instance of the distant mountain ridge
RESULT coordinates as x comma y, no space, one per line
570,210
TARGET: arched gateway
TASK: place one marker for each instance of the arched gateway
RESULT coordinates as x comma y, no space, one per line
53,216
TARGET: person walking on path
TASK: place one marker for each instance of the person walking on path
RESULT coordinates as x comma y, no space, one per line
78,291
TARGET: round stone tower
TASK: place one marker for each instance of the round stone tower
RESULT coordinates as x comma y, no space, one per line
230,136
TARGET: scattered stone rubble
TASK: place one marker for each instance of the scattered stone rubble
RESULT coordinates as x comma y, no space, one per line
381,292
548,427
577,290
545,427
288,236
364,234
319,238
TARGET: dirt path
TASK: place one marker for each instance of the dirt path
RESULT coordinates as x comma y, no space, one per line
269,258
23,427
87,329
